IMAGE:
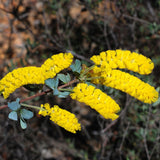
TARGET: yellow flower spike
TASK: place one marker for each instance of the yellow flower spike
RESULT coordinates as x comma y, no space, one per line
124,60
61,117
34,75
57,62
96,99
18,78
65,119
129,84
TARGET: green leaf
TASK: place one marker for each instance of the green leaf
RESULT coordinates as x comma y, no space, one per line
77,63
68,78
56,92
52,83
23,123
76,67
26,114
157,102
63,94
60,94
13,115
64,78
158,89
141,131
144,107
89,83
56,82
14,105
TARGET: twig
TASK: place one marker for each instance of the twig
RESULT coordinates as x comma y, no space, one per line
103,145
124,136
36,95
42,93
157,143
144,135
29,98
146,146
136,19
110,125
68,84
105,29
121,116
47,31
79,56
151,10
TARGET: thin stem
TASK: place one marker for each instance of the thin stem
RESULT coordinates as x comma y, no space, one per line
29,98
68,84
87,70
30,106
93,78
63,89
43,93
36,95
2,107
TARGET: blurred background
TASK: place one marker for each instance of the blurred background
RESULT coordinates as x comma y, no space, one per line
33,30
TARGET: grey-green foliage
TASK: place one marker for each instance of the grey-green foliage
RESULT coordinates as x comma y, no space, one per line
53,84
18,111
15,105
13,115
64,78
76,67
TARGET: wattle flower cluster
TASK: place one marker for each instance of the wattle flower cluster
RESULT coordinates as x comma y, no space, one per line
34,75
131,85
55,64
61,117
124,59
109,76
96,99
105,72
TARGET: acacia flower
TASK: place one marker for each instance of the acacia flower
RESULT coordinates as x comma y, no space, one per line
61,117
96,99
124,59
34,75
56,63
126,83
19,77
